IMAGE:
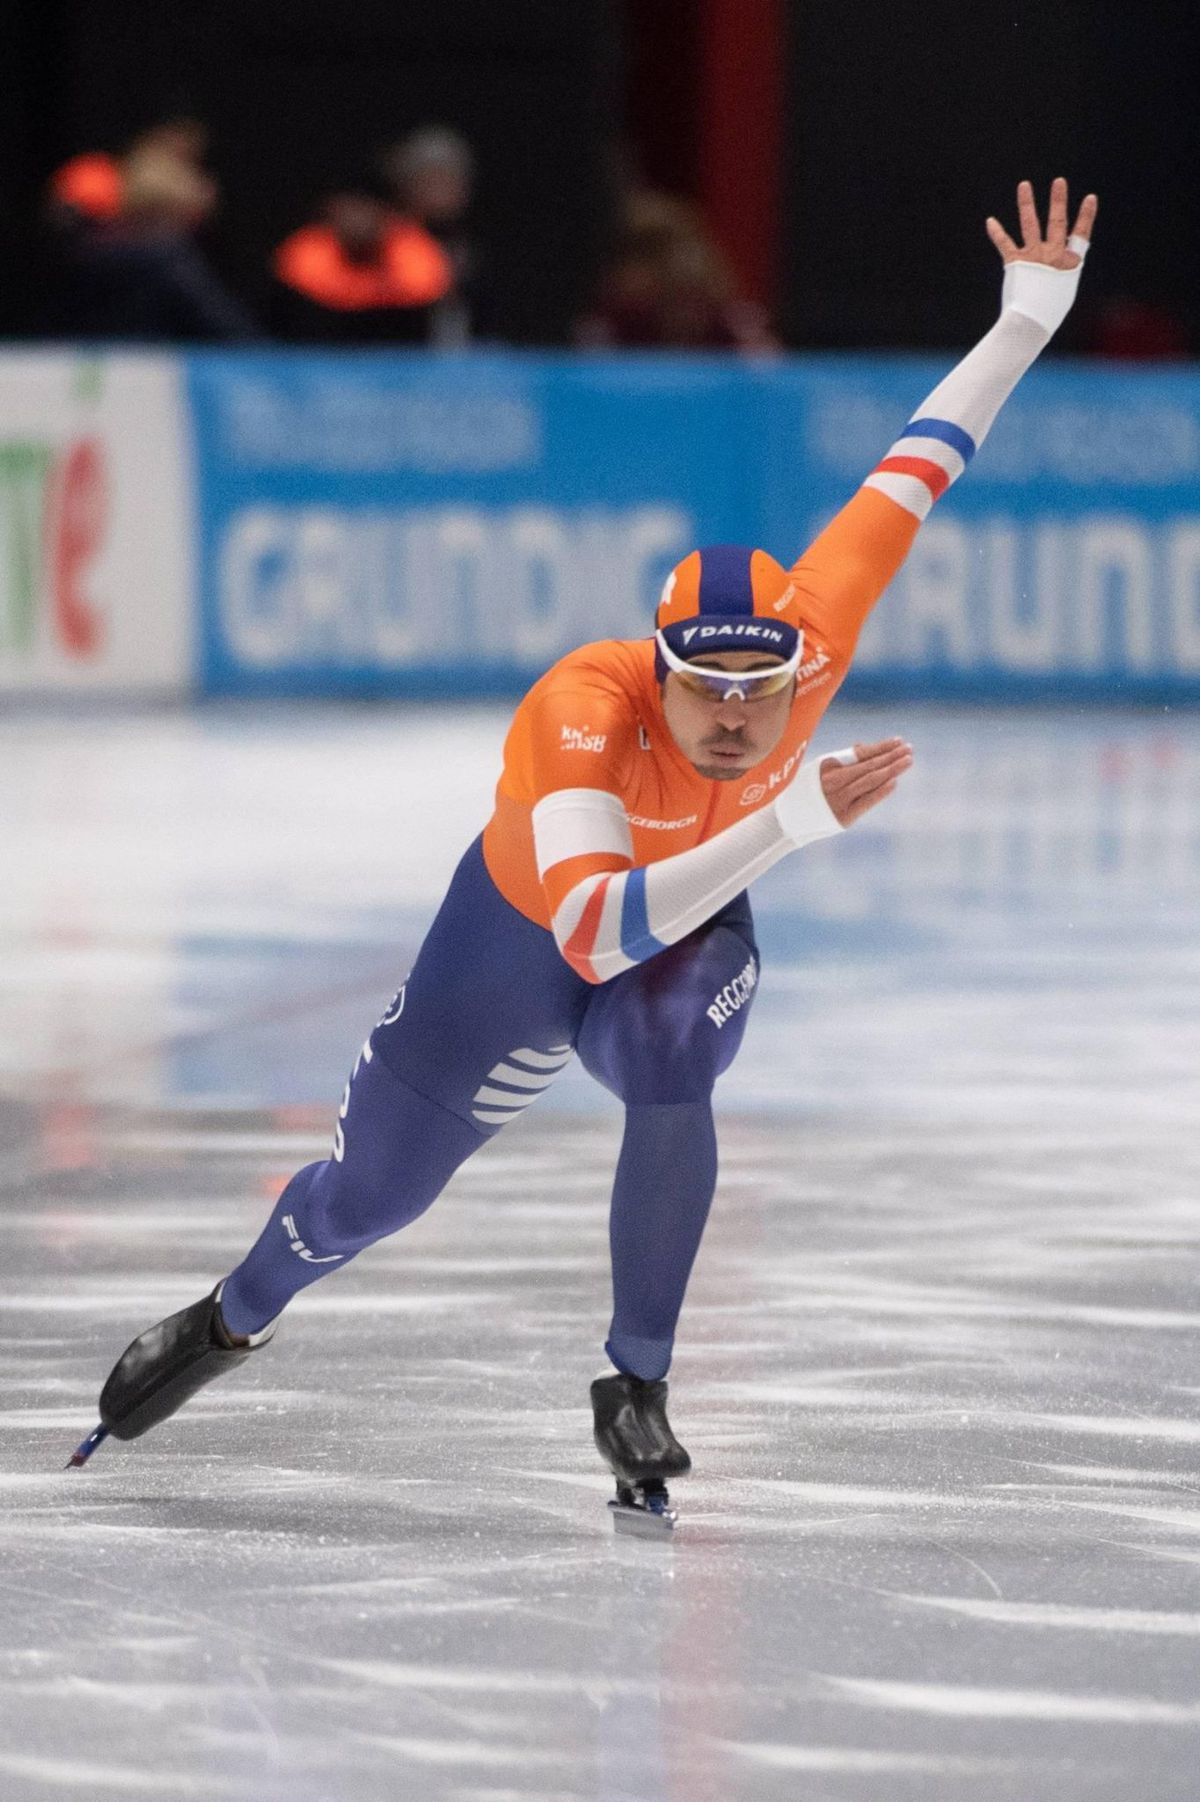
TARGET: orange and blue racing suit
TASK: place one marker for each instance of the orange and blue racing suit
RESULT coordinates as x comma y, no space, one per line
603,912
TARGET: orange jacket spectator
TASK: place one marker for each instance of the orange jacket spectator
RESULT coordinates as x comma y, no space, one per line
361,275
91,185
411,271
140,277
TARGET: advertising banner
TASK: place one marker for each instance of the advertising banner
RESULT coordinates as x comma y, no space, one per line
1064,562
96,568
422,525
408,524
280,522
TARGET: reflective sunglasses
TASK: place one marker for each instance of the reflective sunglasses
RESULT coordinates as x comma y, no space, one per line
728,684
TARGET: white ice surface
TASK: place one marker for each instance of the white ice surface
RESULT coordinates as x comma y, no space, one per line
938,1368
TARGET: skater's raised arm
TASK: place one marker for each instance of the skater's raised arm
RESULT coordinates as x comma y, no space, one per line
844,572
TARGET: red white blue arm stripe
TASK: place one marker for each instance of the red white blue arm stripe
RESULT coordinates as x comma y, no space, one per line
608,923
950,425
921,465
613,919
637,940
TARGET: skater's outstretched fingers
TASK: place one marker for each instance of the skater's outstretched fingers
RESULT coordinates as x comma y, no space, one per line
1056,218
1027,213
852,789
1055,249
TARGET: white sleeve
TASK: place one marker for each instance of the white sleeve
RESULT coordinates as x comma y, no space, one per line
613,920
951,423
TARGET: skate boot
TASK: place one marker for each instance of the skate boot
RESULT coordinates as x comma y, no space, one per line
634,1437
163,1367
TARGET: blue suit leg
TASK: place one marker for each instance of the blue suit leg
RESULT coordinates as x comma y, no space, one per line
393,1154
481,1028
658,1037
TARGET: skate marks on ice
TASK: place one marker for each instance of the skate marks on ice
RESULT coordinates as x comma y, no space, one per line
945,1527
938,1371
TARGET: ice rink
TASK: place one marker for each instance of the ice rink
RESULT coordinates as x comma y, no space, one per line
938,1370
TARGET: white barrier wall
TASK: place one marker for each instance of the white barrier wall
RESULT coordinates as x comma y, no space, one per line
97,576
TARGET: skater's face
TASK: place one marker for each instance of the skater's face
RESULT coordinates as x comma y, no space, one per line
725,738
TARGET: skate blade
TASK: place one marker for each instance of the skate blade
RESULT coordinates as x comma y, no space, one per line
82,1453
637,1522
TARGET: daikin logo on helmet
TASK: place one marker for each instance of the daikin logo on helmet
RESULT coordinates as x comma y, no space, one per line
732,631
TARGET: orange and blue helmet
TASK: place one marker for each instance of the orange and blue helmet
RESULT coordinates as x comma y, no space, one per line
729,597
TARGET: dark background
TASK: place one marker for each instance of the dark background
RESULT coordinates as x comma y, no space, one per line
890,132
907,125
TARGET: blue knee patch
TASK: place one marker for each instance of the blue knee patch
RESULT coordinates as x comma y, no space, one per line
666,1030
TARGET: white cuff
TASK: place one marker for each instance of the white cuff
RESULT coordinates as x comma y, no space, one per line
1041,293
802,811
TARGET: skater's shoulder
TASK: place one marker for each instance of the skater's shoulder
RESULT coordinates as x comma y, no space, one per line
591,702
614,673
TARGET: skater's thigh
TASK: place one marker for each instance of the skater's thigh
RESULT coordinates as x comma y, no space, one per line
490,1012
393,1153
665,1031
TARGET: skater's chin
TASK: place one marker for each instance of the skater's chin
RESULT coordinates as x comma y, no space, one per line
726,769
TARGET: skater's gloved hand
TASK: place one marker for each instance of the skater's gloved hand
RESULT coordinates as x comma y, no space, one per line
853,788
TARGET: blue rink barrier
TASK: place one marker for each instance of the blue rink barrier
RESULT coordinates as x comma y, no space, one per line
408,525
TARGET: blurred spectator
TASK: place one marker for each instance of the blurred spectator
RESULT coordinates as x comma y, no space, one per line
430,177
91,186
668,287
137,275
1138,331
359,275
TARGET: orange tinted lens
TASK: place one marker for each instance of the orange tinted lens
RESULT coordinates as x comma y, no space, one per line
756,685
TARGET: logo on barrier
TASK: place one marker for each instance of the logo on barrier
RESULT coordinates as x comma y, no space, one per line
54,511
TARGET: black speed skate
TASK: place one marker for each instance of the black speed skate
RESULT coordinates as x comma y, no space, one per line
634,1437
163,1367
